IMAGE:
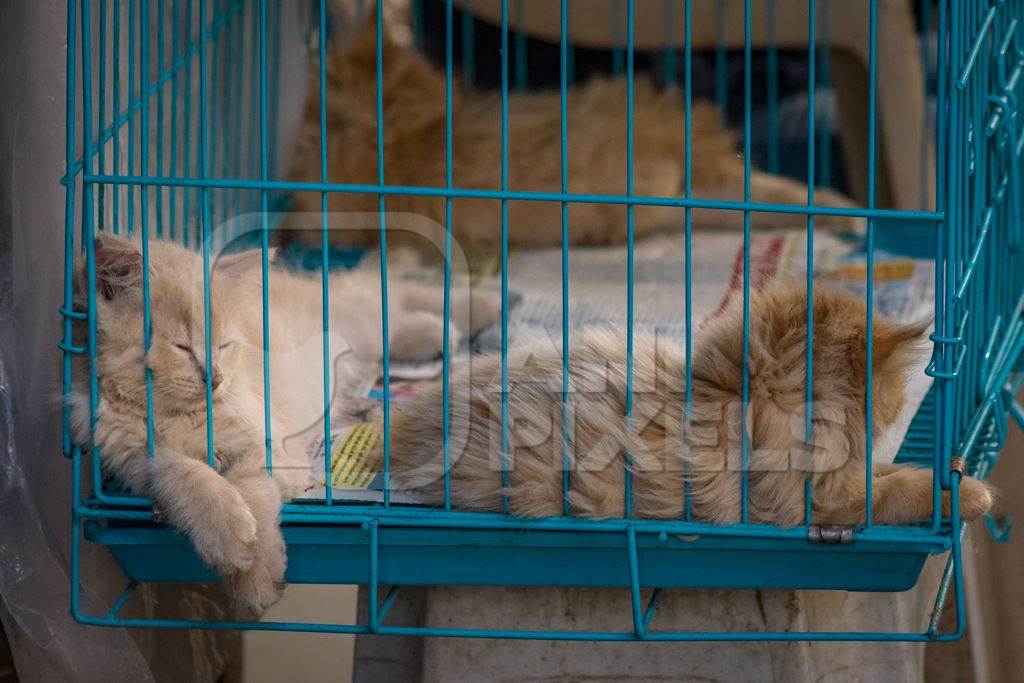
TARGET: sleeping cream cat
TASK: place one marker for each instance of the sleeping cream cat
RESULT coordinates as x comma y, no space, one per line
230,511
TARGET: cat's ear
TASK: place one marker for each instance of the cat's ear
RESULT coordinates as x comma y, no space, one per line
896,344
362,39
243,262
118,267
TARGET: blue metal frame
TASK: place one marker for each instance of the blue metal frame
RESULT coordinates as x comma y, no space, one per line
974,229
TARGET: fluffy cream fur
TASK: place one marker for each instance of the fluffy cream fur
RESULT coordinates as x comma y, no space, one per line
230,512
414,144
661,449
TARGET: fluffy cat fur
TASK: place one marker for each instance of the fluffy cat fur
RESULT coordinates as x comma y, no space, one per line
231,511
710,449
414,139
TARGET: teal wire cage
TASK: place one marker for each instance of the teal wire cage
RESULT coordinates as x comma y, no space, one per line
173,112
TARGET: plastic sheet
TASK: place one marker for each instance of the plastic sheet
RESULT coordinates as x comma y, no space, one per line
47,644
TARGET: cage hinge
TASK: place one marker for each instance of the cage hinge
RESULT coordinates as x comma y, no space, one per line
957,464
830,534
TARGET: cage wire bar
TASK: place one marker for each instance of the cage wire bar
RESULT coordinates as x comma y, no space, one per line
222,47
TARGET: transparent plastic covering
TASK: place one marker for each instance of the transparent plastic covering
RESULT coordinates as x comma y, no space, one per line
35,480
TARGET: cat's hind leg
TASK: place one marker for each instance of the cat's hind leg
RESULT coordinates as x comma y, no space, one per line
767,188
471,308
418,336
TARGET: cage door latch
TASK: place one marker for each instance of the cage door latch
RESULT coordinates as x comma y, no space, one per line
830,534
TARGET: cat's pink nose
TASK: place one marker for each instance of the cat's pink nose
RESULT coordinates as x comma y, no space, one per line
215,380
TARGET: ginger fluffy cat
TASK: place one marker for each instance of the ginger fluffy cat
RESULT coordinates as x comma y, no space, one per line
661,450
414,144
231,511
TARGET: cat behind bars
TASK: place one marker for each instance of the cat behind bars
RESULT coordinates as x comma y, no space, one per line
661,451
230,511
414,139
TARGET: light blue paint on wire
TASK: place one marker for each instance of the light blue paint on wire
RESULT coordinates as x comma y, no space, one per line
505,445
938,351
634,581
175,42
947,248
449,134
88,231
204,227
120,117
772,87
563,139
160,40
812,52
226,123
385,339
215,126
241,150
132,42
253,124
688,238
825,141
101,111
745,408
926,120
324,250
899,215
234,207
275,89
115,105
870,274
630,224
186,149
264,237
371,527
88,235
69,227
147,315
917,539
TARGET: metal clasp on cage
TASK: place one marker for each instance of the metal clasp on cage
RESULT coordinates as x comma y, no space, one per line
958,342
1005,107
830,534
65,344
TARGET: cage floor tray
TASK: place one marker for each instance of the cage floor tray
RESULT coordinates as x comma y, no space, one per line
423,556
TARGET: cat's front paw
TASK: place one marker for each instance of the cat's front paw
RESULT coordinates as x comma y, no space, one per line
254,591
229,544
